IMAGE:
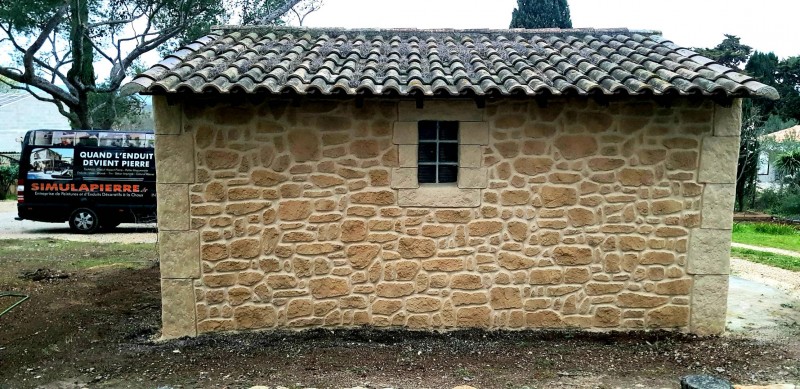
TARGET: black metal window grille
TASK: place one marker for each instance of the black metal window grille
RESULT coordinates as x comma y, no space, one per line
437,157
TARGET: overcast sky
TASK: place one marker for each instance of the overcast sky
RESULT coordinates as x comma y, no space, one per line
766,25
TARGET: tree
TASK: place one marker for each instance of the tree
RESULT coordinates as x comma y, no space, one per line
788,168
265,11
112,109
730,52
541,14
749,149
56,44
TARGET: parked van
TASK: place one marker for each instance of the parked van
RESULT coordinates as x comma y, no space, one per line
91,179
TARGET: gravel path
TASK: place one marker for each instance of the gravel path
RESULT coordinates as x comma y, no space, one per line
766,249
786,280
26,229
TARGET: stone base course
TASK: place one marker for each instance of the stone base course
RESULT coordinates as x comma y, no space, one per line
573,215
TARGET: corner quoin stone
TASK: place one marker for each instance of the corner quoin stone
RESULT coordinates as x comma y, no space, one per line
167,117
175,159
709,304
179,254
728,120
717,209
173,207
709,252
178,316
718,159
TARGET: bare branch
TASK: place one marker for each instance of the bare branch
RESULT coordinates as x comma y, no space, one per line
51,25
279,11
305,10
59,105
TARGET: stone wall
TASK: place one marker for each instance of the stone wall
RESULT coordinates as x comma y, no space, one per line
572,214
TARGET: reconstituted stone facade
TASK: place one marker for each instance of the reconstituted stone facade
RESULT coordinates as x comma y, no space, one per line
566,215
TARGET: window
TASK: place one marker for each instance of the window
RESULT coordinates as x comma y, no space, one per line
437,156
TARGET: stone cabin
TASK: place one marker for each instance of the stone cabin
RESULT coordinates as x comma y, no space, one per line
440,179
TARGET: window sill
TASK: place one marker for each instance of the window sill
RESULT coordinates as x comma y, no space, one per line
439,196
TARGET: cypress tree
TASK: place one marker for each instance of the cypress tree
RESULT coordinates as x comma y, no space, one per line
541,14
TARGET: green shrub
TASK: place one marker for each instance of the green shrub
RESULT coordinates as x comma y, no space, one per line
774,229
783,202
8,176
768,199
740,227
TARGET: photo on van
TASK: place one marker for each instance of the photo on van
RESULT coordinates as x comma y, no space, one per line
50,163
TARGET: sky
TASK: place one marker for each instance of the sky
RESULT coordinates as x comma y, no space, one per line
766,25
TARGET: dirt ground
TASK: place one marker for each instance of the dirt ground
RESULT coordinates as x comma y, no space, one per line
96,328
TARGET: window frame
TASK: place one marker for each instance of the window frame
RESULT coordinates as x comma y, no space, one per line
437,142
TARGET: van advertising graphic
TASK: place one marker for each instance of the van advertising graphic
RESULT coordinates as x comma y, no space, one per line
144,190
127,173
122,163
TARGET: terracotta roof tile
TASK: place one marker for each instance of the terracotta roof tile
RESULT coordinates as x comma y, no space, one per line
441,63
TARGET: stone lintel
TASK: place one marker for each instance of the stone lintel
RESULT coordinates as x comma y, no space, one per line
473,133
718,159
178,315
709,252
179,254
405,133
728,120
167,117
460,110
173,207
717,209
440,196
709,304
175,158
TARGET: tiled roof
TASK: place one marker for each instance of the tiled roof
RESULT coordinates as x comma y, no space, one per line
8,98
441,63
782,135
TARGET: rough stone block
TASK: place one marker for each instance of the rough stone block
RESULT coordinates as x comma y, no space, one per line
167,117
407,155
439,196
469,156
461,110
178,317
709,251
173,207
175,159
717,207
179,254
473,133
404,178
709,304
472,178
728,120
718,160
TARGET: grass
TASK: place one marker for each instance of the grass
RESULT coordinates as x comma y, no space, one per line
24,255
767,235
776,260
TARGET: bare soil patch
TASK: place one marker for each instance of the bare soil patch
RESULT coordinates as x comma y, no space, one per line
96,328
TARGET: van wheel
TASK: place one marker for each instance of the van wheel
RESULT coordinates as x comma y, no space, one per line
84,221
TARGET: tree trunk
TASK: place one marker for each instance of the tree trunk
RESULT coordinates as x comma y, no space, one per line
81,74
